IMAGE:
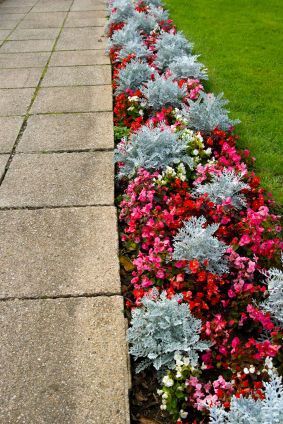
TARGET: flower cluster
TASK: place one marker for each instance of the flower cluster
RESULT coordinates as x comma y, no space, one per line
195,225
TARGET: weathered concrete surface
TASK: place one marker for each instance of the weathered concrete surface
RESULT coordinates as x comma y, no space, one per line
27,46
23,60
65,132
63,353
3,161
71,361
79,57
66,179
82,39
73,99
9,129
15,101
53,252
77,75
18,78
34,34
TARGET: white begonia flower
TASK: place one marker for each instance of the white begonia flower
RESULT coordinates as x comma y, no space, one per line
208,151
252,369
167,381
159,392
178,375
133,99
163,407
195,152
268,362
246,371
165,396
186,360
183,414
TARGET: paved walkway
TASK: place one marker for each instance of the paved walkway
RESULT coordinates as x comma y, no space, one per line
63,356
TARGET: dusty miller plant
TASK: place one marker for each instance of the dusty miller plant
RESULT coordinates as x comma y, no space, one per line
142,22
138,48
124,36
163,92
162,327
133,75
274,302
159,13
250,411
195,240
170,46
226,185
151,149
188,67
151,2
207,113
124,10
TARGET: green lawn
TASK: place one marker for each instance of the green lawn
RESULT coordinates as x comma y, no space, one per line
240,43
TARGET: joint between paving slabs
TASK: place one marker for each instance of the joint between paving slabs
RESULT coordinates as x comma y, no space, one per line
60,296
24,124
34,208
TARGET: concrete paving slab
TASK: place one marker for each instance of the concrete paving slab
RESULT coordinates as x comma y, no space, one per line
58,358
67,132
3,162
7,24
66,179
34,34
86,19
87,14
73,99
58,252
11,16
9,130
19,78
15,101
81,39
81,5
43,20
4,33
78,57
21,3
23,60
27,46
5,8
53,6
79,75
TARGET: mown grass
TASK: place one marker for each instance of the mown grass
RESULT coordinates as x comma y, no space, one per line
240,42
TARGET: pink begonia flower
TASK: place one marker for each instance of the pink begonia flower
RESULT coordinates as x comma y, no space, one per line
245,239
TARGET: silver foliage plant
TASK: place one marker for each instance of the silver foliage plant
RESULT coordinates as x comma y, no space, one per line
170,46
152,149
188,67
142,22
223,186
138,48
133,75
195,240
207,113
274,302
123,36
161,328
250,411
124,10
151,2
163,92
159,13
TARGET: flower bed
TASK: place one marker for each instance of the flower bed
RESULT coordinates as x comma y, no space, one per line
200,245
